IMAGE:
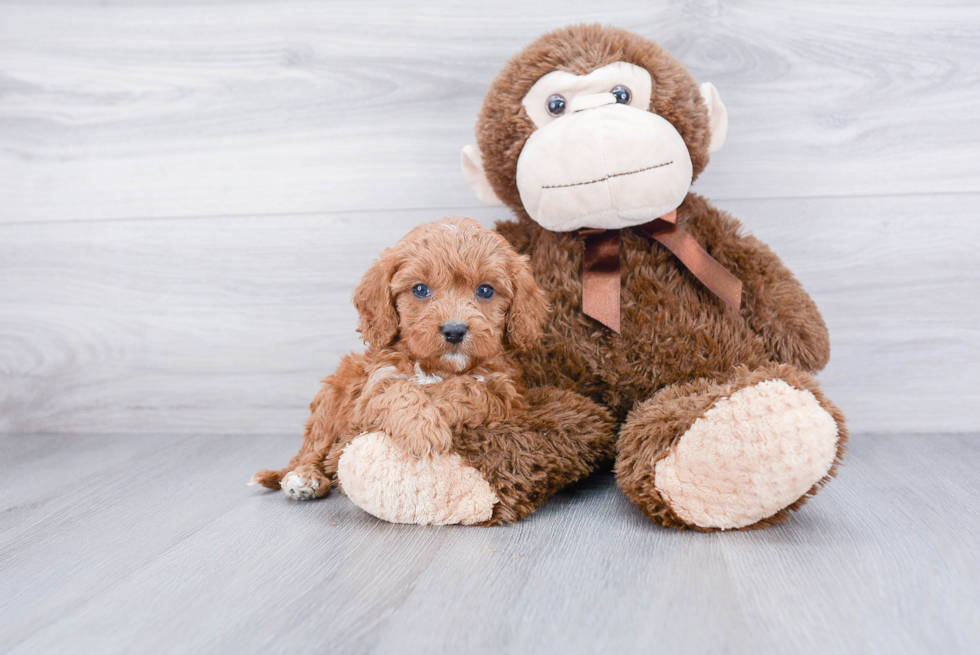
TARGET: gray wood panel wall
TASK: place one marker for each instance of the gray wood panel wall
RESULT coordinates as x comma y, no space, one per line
190,191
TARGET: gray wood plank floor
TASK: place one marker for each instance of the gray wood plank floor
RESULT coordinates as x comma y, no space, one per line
153,544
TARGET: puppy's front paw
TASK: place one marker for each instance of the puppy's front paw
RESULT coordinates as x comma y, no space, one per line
300,487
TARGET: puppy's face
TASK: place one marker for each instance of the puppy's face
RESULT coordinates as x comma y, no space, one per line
457,290
452,303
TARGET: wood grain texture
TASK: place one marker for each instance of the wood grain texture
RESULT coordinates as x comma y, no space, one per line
153,544
227,325
157,109
189,191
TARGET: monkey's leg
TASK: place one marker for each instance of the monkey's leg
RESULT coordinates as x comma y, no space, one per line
495,475
528,458
382,478
739,454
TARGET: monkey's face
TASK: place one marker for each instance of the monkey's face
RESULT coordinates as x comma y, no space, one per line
593,127
599,158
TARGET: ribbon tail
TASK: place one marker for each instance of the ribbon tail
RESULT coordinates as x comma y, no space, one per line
705,268
600,278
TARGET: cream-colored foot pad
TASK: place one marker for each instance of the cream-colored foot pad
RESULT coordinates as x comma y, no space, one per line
751,455
397,487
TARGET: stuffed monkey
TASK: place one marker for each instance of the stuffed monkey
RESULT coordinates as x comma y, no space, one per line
693,334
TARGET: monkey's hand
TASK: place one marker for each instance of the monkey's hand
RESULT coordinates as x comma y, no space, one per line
780,311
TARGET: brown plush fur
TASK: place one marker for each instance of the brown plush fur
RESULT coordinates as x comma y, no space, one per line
561,438
677,338
673,328
526,448
652,429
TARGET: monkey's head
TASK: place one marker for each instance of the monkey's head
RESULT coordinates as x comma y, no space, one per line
593,126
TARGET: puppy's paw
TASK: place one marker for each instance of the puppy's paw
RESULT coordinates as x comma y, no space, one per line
303,487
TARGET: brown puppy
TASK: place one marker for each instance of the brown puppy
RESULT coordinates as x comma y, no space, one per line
441,311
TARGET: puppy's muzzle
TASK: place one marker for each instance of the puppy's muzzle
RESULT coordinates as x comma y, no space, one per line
453,332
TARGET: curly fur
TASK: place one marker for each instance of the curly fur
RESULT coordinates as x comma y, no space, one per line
432,396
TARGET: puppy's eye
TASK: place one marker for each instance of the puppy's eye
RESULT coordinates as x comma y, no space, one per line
622,93
484,291
556,105
420,291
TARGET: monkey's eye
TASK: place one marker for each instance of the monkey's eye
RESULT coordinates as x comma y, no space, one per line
484,291
556,105
421,291
622,94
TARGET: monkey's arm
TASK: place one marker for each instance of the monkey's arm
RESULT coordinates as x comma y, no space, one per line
773,303
778,309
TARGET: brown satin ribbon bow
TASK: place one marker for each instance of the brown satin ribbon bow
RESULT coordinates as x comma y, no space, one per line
600,268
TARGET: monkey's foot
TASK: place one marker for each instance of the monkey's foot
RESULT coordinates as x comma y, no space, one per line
751,455
394,486
720,456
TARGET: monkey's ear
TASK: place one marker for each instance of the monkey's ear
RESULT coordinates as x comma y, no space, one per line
472,160
378,323
717,116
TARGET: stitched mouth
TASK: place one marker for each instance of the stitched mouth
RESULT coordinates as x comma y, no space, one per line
607,177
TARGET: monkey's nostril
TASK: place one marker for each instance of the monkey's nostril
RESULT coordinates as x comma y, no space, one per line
453,332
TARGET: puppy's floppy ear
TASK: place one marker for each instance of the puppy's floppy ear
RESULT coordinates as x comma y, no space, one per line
378,322
528,308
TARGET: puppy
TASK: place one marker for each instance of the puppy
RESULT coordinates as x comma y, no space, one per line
441,313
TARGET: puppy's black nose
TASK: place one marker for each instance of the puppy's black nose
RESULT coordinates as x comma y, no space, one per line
454,332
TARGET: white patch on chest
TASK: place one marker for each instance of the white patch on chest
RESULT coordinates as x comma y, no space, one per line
382,373
421,377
